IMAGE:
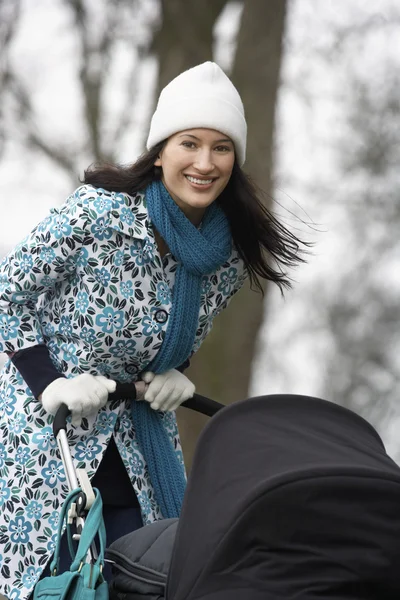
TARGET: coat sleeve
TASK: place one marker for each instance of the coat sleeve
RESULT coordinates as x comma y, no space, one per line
46,256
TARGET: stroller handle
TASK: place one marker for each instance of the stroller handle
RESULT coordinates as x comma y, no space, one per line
198,403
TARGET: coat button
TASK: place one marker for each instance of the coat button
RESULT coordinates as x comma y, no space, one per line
161,315
131,369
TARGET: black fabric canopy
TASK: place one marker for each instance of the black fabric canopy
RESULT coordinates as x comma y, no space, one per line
289,497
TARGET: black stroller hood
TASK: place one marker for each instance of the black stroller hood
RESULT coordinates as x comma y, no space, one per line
289,497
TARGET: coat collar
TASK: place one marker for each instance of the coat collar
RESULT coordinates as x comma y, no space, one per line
127,214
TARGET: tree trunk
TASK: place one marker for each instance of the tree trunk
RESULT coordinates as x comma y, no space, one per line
222,367
185,38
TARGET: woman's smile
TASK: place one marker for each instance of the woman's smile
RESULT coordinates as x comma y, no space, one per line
199,183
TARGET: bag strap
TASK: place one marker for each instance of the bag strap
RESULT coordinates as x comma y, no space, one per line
62,518
93,527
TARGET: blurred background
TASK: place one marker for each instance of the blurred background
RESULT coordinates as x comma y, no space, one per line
320,84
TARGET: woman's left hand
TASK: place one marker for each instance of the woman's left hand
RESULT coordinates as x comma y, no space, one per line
168,390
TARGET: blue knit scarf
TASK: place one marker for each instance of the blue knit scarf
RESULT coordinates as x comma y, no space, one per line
198,252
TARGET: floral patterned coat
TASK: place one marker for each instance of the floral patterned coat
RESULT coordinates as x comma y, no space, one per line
90,284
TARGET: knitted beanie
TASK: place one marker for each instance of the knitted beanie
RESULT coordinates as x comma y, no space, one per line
200,97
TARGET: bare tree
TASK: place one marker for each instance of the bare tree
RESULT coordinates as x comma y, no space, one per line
363,317
346,328
97,41
9,15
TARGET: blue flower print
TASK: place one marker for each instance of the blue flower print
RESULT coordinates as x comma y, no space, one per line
136,464
34,510
105,422
163,293
104,368
119,257
110,319
44,439
82,302
26,263
47,255
169,419
82,257
14,594
127,216
228,280
88,334
8,327
17,424
65,326
69,353
144,501
53,348
51,546
4,492
118,200
47,281
179,454
60,226
142,251
20,530
54,519
206,286
18,378
22,455
7,400
123,347
127,377
3,283
102,204
87,450
3,455
20,297
150,325
101,229
54,473
30,577
124,422
48,330
44,224
126,288
102,276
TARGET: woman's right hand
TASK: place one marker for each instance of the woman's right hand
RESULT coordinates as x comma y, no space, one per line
84,395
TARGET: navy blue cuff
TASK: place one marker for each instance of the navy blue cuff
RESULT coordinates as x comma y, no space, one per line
36,367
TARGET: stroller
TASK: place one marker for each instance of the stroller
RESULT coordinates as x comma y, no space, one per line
289,497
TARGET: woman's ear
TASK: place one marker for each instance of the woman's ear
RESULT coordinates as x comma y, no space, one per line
157,162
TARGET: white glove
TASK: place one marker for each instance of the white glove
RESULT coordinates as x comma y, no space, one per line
84,395
168,390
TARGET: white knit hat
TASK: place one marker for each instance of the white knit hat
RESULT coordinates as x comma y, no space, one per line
200,97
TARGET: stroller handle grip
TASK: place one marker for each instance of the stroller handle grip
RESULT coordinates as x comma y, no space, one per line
198,403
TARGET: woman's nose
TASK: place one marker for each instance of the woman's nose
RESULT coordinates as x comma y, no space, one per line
204,161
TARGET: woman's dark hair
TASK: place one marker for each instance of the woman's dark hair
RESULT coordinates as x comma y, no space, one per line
259,237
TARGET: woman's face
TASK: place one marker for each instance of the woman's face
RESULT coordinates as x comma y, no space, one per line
196,167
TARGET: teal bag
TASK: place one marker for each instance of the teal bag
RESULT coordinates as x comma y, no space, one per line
83,581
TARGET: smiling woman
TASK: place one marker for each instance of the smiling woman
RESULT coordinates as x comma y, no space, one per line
122,283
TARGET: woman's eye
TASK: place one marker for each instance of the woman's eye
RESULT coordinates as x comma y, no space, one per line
188,144
223,149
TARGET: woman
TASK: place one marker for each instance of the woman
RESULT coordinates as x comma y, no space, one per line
122,283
